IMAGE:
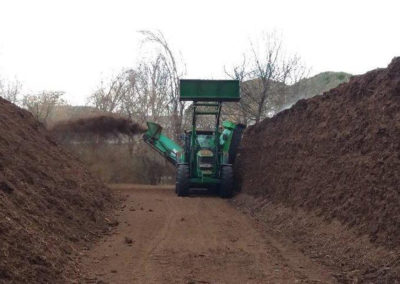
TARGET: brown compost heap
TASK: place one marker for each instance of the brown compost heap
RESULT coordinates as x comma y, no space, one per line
50,205
337,154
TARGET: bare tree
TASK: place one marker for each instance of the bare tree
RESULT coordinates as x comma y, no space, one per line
175,107
150,91
42,105
241,112
110,95
10,90
264,78
147,96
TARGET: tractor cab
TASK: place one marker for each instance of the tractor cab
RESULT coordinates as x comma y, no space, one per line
204,150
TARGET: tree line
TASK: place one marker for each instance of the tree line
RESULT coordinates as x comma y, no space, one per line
150,90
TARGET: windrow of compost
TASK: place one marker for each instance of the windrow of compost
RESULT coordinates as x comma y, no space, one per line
335,156
50,205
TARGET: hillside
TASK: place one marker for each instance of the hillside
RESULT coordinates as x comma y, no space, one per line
320,83
313,86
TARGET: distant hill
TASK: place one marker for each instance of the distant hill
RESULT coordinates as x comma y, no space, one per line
286,95
321,83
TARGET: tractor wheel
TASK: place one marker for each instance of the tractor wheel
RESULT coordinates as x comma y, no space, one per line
182,180
236,138
226,185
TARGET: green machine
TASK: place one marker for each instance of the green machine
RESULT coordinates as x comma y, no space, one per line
206,157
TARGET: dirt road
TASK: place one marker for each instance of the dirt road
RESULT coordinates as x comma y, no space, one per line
201,239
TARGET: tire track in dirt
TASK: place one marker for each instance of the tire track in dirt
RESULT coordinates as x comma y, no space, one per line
199,239
157,242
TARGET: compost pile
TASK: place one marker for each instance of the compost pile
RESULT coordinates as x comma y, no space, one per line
50,205
95,127
337,155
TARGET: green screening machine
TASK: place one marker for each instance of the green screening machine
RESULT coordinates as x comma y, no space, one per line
205,157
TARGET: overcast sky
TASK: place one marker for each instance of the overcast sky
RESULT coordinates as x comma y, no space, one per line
70,45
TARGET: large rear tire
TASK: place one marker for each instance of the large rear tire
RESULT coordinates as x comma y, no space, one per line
182,180
235,142
226,185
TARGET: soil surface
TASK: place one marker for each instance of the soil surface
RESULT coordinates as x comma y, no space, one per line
162,238
352,257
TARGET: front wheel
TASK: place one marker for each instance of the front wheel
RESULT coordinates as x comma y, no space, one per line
226,185
182,180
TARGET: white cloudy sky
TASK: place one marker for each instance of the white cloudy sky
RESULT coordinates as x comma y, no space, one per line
70,45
